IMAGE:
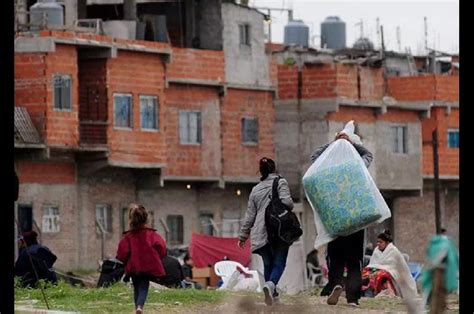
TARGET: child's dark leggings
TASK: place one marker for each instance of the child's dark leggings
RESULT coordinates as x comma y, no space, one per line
140,289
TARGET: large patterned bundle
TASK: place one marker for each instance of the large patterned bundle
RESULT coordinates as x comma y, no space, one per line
343,197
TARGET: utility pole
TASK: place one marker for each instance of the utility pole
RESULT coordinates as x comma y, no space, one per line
426,43
436,181
377,22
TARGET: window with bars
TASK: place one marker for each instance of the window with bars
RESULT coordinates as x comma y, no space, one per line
453,138
399,139
244,34
175,226
50,223
123,110
249,130
103,213
206,224
189,127
149,112
62,92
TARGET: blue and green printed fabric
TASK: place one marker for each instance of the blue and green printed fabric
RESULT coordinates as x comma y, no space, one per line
342,197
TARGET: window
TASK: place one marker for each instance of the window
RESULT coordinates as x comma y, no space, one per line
206,224
249,130
25,217
149,112
50,219
453,138
190,127
399,139
175,225
244,34
125,220
103,214
62,92
123,110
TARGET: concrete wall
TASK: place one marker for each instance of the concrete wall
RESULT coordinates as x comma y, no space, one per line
418,213
244,64
210,25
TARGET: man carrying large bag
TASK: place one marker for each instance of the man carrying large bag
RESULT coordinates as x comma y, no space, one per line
343,208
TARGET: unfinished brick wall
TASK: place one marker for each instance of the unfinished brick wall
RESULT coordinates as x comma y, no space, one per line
62,127
30,87
202,159
412,88
137,74
358,114
320,81
372,85
448,157
46,172
240,159
447,88
197,64
93,101
425,87
287,81
331,80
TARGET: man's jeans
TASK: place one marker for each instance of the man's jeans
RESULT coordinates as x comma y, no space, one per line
274,261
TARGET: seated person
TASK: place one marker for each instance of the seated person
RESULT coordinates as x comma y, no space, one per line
387,270
41,257
312,259
188,273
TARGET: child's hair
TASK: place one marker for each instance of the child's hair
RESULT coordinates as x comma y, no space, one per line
138,216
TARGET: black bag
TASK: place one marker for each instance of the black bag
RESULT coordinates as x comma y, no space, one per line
111,271
281,223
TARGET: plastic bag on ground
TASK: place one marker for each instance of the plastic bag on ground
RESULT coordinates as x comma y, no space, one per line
342,193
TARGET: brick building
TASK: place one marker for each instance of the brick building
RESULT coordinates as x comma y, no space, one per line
395,114
176,125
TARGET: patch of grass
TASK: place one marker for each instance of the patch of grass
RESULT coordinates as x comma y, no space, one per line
114,299
85,271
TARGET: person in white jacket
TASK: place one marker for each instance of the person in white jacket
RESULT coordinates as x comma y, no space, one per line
388,270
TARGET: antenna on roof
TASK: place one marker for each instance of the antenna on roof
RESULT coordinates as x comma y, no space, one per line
377,22
399,39
361,23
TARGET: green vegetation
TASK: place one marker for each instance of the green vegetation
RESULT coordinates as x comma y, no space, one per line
115,299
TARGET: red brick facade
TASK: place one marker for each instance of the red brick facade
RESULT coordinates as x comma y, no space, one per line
196,64
46,172
241,159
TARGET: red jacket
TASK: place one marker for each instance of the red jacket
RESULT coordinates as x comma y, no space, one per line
141,251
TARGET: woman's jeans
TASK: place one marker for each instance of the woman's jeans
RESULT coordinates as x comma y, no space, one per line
140,289
274,260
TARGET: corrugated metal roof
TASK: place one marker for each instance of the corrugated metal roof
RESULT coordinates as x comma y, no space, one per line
25,131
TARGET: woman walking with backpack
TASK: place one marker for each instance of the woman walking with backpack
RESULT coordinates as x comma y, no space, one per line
141,250
273,250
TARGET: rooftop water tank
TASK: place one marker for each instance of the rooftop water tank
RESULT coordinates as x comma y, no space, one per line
296,33
363,44
333,33
46,13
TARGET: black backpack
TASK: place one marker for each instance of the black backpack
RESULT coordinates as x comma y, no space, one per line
281,223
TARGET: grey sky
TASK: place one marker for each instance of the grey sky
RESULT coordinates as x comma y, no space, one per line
442,16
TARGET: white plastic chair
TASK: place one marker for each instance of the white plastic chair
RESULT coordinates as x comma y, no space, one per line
315,274
225,269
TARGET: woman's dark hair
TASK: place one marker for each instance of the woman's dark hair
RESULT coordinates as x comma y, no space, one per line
385,236
138,216
267,166
186,257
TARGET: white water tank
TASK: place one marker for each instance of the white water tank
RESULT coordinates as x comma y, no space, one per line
46,13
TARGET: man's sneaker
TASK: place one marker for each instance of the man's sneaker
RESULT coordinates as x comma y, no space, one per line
268,290
139,310
335,294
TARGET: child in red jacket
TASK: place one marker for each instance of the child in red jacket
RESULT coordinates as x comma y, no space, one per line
141,250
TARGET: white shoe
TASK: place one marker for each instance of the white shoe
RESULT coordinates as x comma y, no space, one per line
268,290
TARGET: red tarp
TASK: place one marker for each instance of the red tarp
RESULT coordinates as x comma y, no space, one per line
207,250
